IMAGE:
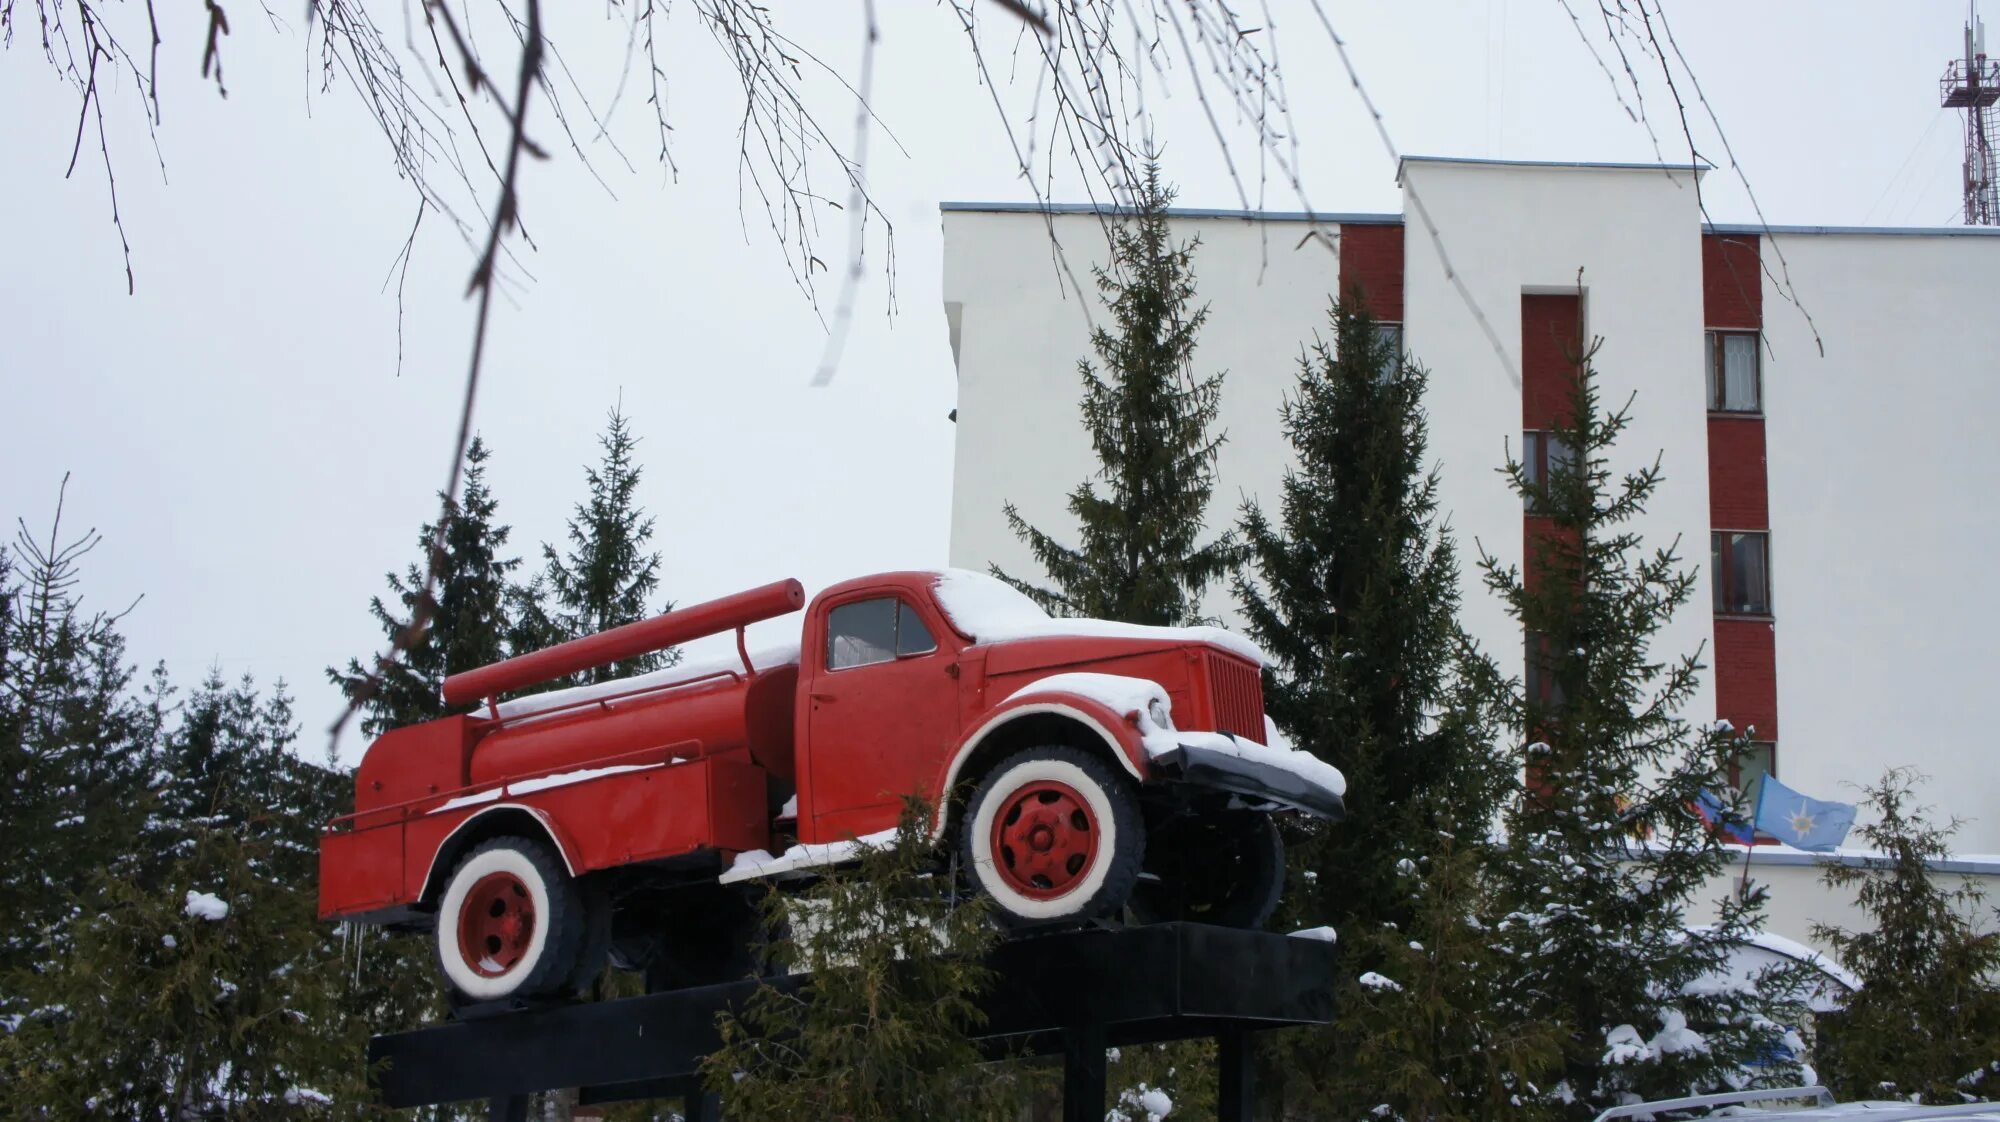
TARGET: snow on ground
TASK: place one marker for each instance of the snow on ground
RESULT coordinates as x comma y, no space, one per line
1141,1104
993,611
759,863
202,905
782,654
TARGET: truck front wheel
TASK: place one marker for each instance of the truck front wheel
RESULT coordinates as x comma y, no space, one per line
511,923
1054,835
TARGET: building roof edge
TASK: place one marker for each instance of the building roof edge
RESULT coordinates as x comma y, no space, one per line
1342,218
1589,165
1861,231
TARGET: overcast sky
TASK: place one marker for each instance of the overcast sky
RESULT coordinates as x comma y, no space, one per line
240,434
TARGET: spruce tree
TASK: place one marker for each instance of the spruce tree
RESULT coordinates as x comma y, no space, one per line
1139,559
1605,856
880,1029
1434,1025
468,620
190,977
73,739
1354,593
608,577
1925,1023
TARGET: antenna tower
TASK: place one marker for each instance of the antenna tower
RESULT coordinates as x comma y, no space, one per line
1972,84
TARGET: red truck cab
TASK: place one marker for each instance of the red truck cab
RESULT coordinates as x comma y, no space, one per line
1077,769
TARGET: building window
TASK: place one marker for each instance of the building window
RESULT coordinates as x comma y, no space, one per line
1758,759
1740,569
1538,679
1733,372
1389,340
1543,456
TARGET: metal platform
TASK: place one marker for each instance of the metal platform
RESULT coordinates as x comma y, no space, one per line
1071,995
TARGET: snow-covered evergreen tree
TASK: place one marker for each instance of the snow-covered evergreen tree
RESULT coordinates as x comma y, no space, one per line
1926,1021
1354,591
73,739
880,1032
608,577
1140,558
1605,856
468,625
1435,1026
191,977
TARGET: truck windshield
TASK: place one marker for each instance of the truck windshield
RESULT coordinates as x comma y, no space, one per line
871,631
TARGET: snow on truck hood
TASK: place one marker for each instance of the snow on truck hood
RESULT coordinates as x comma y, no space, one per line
992,611
1145,698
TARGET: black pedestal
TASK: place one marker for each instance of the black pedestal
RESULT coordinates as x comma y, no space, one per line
1072,994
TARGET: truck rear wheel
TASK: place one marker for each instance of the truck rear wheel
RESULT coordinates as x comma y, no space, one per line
511,922
1054,835
1225,868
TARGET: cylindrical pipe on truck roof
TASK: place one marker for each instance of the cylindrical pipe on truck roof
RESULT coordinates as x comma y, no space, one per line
619,643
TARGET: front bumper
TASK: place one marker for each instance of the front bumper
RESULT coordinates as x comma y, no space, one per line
1252,779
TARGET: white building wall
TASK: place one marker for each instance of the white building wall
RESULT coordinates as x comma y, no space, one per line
1509,230
1020,334
1885,522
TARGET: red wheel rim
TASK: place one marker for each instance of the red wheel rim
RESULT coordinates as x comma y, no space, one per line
1044,839
496,924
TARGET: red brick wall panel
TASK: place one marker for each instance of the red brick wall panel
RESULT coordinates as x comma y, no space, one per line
1371,259
1738,497
1732,282
1551,341
1746,675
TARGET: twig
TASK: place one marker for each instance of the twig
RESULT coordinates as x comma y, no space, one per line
504,217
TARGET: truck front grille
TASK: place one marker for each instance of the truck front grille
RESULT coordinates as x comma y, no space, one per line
1237,693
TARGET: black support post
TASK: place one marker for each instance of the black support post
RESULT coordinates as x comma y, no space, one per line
508,1108
1236,1089
702,1106
1083,1074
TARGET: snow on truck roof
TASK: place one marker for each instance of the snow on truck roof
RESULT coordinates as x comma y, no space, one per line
985,608
992,611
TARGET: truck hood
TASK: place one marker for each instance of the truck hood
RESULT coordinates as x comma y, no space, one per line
1055,653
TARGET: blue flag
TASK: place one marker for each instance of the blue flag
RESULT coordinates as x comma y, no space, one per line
1798,821
1710,808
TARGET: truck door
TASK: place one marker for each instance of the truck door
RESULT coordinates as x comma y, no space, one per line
884,713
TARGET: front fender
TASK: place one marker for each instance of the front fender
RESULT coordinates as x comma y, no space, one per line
1118,732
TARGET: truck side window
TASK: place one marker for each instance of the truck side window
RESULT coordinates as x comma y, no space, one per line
912,638
871,631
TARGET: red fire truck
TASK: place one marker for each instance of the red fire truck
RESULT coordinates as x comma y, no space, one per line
1078,769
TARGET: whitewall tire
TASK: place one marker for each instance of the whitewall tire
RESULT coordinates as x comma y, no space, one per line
1053,835
511,922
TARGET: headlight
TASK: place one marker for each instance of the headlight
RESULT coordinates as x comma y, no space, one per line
1157,710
